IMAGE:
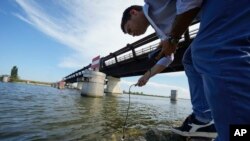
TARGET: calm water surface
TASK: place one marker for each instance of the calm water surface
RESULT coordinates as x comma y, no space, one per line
29,112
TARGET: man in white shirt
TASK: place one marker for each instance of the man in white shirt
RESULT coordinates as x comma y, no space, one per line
163,16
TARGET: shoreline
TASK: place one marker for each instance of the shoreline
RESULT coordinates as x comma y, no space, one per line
155,96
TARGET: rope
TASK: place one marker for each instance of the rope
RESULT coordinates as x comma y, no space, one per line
125,121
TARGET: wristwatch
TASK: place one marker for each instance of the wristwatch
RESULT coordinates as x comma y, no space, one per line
173,40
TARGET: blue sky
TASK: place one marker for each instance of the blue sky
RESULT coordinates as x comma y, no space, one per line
49,39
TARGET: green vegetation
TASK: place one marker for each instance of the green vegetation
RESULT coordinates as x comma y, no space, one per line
34,82
15,78
137,93
14,74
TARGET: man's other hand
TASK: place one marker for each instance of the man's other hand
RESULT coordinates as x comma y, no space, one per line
166,49
143,80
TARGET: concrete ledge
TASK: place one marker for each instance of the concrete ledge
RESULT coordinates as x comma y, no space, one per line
157,135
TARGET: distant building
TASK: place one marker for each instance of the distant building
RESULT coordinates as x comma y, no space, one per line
61,84
5,78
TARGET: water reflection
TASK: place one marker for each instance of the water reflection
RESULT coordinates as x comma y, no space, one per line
173,102
44,113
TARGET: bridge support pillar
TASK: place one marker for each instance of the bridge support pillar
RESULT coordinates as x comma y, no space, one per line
113,86
79,85
93,84
173,96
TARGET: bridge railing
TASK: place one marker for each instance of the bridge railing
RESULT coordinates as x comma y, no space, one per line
125,57
112,58
147,49
130,54
74,75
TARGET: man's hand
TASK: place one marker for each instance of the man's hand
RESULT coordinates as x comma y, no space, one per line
143,80
166,49
160,45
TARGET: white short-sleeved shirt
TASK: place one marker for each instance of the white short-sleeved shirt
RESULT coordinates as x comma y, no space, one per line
166,61
161,13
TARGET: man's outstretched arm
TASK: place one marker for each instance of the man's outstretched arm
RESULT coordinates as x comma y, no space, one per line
150,73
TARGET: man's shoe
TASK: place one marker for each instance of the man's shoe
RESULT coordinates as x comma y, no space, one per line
191,127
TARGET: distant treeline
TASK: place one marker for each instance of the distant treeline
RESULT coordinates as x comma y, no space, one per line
141,93
33,82
138,93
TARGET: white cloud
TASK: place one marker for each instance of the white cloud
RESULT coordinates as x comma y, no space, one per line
174,74
90,27
22,18
127,83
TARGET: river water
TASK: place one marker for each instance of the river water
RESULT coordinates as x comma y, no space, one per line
29,112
